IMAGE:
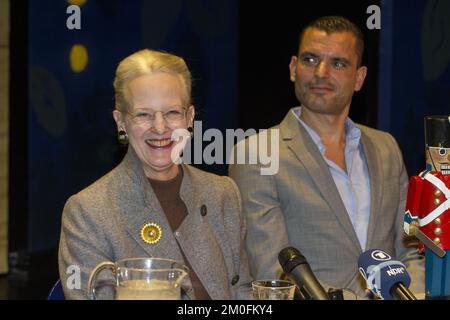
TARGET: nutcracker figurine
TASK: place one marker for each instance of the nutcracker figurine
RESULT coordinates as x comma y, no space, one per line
427,213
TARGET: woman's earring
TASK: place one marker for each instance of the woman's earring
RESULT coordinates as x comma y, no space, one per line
191,131
122,137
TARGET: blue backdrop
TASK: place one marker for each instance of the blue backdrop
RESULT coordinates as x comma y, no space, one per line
72,136
414,76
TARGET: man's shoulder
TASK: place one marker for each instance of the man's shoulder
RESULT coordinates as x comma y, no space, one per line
371,131
381,143
251,142
376,135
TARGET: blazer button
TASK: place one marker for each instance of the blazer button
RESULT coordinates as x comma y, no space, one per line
235,280
203,210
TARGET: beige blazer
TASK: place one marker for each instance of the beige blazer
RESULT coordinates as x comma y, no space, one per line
103,223
300,206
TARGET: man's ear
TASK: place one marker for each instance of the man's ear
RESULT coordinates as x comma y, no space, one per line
293,68
361,74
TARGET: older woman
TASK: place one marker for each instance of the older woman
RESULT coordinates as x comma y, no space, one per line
195,216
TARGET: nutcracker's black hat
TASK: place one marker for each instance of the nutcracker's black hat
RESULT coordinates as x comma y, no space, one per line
437,131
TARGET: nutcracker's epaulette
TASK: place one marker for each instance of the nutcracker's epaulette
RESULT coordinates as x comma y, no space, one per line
423,173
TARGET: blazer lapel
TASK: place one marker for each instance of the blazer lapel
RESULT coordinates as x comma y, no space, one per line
140,207
376,183
198,241
306,151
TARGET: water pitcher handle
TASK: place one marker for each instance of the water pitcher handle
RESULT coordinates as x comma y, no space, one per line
92,283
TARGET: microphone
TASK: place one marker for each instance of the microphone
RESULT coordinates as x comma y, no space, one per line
386,278
296,267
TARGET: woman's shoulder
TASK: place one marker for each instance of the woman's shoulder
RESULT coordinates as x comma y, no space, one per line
220,191
98,191
211,185
207,179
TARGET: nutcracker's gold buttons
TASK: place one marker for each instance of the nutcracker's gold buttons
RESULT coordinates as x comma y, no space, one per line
437,221
437,201
437,240
151,233
438,231
437,193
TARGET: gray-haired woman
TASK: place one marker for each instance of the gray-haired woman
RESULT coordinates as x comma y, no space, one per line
149,205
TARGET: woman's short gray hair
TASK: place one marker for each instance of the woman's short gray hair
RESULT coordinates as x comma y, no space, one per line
145,62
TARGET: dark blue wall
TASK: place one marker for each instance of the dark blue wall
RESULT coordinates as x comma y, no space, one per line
71,133
414,71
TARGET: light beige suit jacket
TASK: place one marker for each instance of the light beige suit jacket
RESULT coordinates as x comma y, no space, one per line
103,223
300,206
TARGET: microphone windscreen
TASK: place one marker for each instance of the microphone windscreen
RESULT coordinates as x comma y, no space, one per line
382,273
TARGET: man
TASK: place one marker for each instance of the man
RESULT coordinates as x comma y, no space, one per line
341,187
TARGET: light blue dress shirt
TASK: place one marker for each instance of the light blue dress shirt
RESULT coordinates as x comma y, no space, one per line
353,185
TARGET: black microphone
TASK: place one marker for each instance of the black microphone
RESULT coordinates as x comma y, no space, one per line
296,267
386,278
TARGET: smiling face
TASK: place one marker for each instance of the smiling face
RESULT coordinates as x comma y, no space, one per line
155,94
325,72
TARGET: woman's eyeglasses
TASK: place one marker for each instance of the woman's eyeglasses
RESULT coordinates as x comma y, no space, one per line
170,116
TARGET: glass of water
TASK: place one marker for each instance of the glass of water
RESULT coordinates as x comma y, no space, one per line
273,290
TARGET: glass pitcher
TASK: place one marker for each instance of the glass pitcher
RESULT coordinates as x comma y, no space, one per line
142,278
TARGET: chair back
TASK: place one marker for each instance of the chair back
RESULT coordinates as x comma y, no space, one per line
56,293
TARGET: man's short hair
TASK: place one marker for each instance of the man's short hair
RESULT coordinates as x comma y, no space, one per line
332,24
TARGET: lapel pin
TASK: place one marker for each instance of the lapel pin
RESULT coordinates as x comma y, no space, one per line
151,233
